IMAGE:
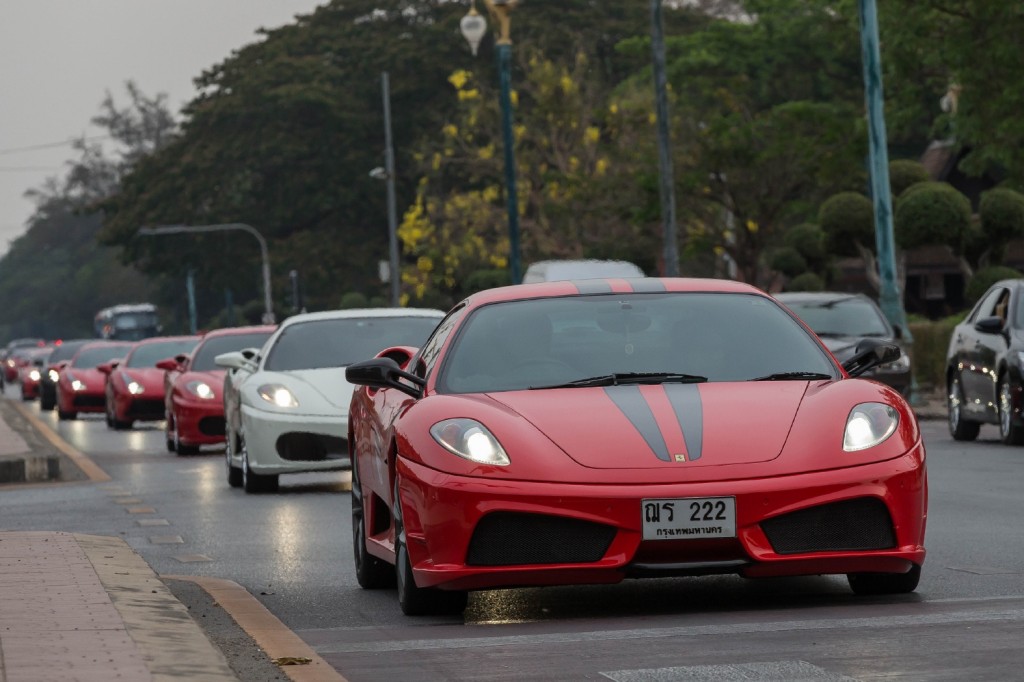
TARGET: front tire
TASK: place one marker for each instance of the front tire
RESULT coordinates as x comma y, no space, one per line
419,601
253,482
1009,432
64,416
885,583
959,427
230,446
371,572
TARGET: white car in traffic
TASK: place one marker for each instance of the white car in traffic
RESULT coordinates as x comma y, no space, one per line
291,397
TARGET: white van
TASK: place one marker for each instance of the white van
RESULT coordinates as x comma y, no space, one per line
552,270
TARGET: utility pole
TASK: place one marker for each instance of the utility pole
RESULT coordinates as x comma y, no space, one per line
666,184
389,170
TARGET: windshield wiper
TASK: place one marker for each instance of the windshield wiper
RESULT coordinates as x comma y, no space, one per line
624,378
784,376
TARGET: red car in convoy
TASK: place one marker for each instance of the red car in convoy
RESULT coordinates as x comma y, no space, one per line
31,373
588,431
135,385
193,384
80,385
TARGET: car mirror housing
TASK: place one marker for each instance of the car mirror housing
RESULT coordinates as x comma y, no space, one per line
232,360
384,373
168,364
869,354
989,325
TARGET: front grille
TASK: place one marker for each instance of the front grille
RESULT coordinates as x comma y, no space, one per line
146,409
512,539
211,426
859,524
89,401
311,447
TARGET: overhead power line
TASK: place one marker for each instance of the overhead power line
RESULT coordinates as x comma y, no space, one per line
52,145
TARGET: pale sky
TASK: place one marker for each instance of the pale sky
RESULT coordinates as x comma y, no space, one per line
58,58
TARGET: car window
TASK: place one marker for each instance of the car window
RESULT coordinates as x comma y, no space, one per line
148,354
339,342
853,316
211,347
97,355
540,342
65,350
988,305
427,357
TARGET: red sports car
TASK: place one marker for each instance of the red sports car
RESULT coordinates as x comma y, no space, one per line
80,385
192,388
31,373
590,431
135,385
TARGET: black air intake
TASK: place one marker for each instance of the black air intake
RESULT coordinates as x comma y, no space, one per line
514,539
859,524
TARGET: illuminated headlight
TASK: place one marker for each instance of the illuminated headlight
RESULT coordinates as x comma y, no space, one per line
277,394
900,365
10,363
470,439
868,425
54,375
34,375
134,387
201,389
76,385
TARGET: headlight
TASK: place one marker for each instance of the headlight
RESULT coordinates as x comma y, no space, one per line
277,394
201,389
34,375
868,425
900,365
471,440
76,385
54,375
134,387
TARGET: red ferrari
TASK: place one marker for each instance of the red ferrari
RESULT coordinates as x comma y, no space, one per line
193,387
135,385
31,373
80,385
591,431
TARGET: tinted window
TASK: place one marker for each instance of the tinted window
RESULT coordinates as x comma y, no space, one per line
210,348
339,342
724,337
428,354
852,316
66,350
97,355
147,355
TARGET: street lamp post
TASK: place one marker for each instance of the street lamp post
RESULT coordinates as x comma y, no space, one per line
473,27
268,314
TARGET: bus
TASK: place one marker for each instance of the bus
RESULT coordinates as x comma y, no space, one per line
127,321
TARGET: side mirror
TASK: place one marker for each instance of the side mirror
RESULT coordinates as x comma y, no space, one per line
168,364
870,354
233,360
384,373
106,367
989,325
250,353
400,354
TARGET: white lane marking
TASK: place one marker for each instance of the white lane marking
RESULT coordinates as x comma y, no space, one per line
768,671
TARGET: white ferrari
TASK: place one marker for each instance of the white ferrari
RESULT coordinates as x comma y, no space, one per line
286,406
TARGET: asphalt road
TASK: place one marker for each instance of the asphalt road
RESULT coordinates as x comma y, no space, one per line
292,550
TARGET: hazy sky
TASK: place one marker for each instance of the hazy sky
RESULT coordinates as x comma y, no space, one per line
58,58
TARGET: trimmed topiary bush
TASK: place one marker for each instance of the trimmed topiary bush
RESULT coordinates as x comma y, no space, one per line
808,239
788,261
904,173
986,277
1002,215
933,213
848,219
806,282
353,299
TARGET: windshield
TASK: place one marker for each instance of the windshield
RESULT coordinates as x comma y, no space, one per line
97,355
65,350
339,342
214,346
547,342
854,316
148,354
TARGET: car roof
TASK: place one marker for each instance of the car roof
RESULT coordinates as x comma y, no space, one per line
611,286
362,313
230,331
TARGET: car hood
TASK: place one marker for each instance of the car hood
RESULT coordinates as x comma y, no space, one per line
653,426
318,391
150,377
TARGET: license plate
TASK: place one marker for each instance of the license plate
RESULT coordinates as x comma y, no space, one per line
689,518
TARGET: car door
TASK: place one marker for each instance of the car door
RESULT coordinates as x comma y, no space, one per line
979,351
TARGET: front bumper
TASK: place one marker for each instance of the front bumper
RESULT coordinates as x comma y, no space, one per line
442,512
280,443
199,423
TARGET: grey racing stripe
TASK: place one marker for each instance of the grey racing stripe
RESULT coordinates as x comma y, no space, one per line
649,285
632,403
592,286
689,409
